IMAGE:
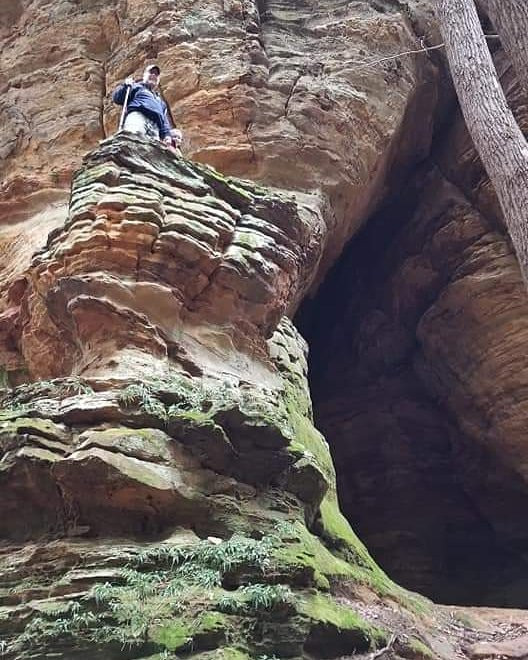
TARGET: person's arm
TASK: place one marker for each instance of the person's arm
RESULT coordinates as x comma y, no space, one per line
166,127
119,94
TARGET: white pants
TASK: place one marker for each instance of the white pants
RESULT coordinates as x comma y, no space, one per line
136,122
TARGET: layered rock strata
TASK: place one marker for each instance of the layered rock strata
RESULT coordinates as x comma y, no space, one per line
173,495
159,262
166,493
256,87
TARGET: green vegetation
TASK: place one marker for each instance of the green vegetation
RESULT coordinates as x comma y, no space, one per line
141,396
420,650
41,630
223,557
198,596
165,596
338,621
176,397
16,401
302,551
255,598
172,597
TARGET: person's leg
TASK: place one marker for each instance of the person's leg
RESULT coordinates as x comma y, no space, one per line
135,122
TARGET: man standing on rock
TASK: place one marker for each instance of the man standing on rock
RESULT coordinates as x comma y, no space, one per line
145,112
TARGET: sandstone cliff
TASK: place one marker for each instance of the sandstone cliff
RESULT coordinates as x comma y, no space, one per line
427,408
165,492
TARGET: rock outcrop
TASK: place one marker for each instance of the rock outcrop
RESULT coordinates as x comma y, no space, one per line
166,411
255,86
165,492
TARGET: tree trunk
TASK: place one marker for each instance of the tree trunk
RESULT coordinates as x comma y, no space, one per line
510,18
495,133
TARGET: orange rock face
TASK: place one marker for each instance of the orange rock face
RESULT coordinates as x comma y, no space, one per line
254,91
159,263
159,464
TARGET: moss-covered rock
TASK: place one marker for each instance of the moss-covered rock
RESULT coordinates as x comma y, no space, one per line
418,650
301,551
172,636
336,630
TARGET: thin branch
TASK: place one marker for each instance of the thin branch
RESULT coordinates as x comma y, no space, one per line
423,49
376,654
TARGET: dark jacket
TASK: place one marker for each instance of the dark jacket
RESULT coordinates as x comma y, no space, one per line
146,101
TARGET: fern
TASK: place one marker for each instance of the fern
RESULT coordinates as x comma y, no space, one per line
255,598
141,395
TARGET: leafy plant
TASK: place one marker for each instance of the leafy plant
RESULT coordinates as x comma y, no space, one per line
255,598
16,399
158,586
41,629
223,557
75,385
141,395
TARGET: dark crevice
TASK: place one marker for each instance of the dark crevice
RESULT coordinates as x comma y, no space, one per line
437,508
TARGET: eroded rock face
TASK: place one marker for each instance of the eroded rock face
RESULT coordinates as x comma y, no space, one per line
255,86
424,406
167,409
165,489
162,399
160,263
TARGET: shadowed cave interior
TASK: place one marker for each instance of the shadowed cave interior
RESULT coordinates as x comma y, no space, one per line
435,508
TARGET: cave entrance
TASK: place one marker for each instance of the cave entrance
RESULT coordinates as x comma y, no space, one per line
438,514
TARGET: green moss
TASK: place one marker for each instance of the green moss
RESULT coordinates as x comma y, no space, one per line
419,650
313,474
232,654
225,185
328,616
197,417
336,531
35,426
179,633
149,444
211,622
300,550
172,636
309,442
